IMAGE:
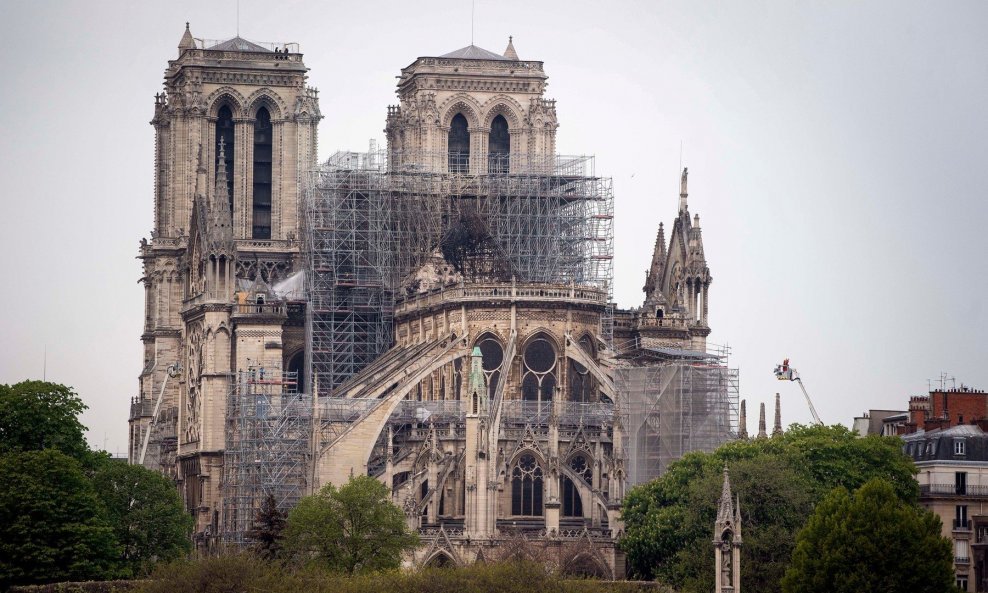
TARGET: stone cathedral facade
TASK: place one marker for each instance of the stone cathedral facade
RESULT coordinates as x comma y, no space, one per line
494,415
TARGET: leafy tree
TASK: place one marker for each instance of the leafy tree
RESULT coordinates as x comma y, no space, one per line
36,415
870,541
146,512
355,528
52,525
668,521
267,531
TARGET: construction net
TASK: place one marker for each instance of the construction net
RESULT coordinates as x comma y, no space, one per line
669,408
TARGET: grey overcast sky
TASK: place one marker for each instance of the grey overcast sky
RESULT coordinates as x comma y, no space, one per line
838,154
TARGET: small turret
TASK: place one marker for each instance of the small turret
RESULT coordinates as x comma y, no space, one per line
777,428
510,52
743,423
187,41
762,434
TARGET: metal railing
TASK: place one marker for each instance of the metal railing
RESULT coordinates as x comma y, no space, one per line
953,490
504,292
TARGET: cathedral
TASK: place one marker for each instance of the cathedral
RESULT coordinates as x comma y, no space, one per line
437,314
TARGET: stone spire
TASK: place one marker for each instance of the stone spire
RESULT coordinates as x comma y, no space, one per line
476,384
761,421
222,217
727,541
725,507
200,189
510,52
743,423
682,190
777,429
187,42
653,278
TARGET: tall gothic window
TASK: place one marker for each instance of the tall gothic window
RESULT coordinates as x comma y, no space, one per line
262,175
499,146
539,375
493,356
580,381
224,132
526,487
459,145
572,502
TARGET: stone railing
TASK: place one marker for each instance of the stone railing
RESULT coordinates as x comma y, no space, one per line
260,309
503,293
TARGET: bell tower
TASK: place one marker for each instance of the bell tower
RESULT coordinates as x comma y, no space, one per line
473,111
235,132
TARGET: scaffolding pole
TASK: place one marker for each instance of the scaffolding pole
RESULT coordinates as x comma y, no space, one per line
374,219
268,427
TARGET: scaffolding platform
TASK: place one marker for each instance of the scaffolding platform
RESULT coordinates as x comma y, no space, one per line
372,220
268,435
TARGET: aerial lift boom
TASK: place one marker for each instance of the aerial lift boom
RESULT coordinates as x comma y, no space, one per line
784,372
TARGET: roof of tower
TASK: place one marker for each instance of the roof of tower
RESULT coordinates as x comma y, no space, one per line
187,42
239,44
472,52
510,52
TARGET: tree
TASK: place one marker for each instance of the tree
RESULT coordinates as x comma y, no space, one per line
871,541
668,521
52,526
267,531
146,512
36,415
352,529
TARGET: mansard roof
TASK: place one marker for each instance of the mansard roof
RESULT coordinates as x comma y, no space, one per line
472,52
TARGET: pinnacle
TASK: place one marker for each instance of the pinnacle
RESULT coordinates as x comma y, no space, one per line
510,52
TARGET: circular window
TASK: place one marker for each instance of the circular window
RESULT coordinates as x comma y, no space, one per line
492,353
540,356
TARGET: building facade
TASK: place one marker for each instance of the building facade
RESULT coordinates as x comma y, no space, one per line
953,483
437,315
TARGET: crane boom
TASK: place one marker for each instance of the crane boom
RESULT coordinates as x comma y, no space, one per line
816,417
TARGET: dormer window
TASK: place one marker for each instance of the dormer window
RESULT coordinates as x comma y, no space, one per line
960,447
260,299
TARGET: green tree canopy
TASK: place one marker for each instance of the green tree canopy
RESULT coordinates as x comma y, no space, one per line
36,415
871,541
355,528
669,521
146,512
52,525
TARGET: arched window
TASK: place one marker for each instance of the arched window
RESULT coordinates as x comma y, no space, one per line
499,146
539,379
262,175
580,382
459,145
572,502
493,356
526,487
224,132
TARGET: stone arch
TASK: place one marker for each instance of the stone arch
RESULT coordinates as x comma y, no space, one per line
541,332
539,458
506,106
225,96
441,559
460,104
586,563
265,97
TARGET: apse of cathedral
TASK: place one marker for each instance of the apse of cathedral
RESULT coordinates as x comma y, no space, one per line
437,314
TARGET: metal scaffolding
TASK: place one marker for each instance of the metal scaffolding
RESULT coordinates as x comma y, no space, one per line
373,219
268,432
671,407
